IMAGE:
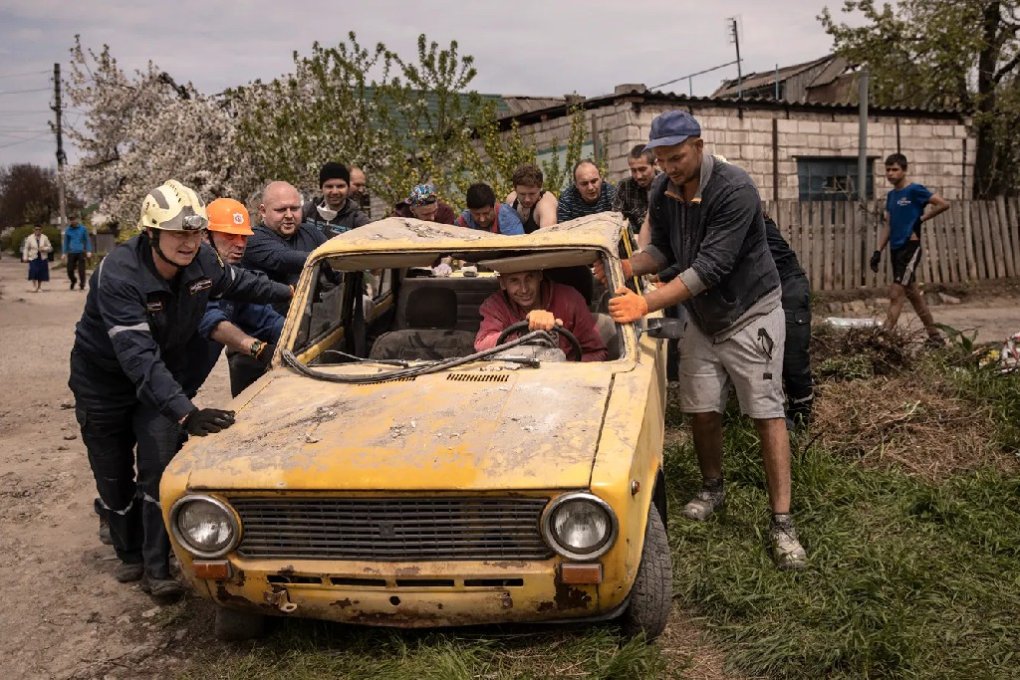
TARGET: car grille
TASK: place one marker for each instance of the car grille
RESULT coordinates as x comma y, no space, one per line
392,529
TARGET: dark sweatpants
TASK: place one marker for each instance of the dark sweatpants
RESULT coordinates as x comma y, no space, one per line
76,263
797,381
119,433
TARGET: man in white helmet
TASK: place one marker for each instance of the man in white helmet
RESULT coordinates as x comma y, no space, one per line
132,347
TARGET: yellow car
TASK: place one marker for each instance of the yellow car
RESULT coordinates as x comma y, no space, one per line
385,473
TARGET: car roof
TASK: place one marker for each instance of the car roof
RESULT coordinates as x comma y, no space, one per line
601,230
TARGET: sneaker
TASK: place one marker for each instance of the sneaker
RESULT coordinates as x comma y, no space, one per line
72,285
787,551
705,503
161,587
127,572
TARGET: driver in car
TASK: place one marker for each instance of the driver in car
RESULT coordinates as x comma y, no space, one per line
545,304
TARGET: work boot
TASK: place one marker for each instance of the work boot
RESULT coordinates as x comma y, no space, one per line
163,588
706,502
786,549
104,531
127,572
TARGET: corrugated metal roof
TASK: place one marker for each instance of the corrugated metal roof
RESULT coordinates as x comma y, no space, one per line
684,100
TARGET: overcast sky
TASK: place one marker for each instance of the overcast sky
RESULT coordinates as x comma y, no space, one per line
529,47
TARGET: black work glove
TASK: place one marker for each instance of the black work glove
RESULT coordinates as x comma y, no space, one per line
265,354
201,422
876,257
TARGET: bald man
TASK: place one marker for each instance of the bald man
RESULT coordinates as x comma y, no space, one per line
281,242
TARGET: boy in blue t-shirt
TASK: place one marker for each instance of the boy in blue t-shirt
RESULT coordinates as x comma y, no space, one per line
904,215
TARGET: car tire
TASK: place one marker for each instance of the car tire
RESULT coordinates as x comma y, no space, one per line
233,625
651,597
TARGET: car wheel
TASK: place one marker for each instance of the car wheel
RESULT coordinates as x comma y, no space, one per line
651,597
235,625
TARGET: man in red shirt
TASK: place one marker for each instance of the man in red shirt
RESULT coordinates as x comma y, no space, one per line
544,303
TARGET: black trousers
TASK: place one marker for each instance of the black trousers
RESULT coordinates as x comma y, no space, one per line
121,436
797,380
76,263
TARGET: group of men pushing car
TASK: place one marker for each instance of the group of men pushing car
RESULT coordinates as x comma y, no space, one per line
161,307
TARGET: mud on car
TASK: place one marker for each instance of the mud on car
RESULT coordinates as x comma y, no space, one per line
385,473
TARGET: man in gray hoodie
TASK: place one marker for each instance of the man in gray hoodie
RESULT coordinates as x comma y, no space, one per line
706,220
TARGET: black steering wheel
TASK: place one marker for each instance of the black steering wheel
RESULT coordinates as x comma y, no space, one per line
520,326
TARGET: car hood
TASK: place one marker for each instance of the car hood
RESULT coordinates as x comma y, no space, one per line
506,429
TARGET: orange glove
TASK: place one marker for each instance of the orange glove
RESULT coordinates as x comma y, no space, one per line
627,306
541,320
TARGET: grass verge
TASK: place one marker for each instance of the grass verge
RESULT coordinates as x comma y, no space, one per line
909,577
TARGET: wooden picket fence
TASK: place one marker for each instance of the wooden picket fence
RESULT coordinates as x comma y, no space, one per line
972,241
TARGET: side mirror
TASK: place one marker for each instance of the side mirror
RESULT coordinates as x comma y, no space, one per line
664,328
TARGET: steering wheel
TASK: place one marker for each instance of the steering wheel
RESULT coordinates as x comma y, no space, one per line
520,326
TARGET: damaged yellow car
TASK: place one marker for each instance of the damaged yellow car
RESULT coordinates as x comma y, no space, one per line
386,473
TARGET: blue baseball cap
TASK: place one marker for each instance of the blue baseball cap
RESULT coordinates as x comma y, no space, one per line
672,128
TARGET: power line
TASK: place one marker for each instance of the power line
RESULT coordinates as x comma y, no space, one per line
22,141
38,89
18,75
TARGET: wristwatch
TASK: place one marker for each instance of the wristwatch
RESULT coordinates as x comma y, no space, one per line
256,348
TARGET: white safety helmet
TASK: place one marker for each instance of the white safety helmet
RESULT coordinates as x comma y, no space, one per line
173,207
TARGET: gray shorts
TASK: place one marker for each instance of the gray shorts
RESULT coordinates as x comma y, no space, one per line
751,360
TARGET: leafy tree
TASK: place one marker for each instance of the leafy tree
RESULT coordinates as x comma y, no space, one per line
946,53
28,194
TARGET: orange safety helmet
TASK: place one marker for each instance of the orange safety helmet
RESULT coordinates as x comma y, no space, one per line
229,216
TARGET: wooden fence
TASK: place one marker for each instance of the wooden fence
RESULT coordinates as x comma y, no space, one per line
972,241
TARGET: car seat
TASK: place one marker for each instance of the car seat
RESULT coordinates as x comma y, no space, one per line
431,332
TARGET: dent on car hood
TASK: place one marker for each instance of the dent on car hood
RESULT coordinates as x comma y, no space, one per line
518,429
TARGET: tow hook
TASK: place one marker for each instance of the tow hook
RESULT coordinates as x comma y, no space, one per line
280,600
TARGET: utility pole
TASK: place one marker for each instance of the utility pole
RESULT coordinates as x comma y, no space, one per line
735,35
61,156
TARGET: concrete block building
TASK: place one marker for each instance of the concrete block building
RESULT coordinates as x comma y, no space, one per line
803,151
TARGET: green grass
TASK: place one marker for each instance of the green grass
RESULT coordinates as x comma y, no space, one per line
906,580
307,649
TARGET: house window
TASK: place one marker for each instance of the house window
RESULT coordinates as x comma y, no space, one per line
832,178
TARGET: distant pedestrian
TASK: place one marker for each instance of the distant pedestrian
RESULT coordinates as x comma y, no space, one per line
35,251
76,249
904,214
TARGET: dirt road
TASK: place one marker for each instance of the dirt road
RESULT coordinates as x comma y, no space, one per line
63,614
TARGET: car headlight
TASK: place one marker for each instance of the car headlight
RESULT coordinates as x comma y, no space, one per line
205,526
579,526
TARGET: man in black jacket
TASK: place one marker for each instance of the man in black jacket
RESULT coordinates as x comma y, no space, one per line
281,243
335,212
706,218
131,352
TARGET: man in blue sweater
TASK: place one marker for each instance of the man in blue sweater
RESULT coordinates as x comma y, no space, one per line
77,247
